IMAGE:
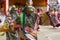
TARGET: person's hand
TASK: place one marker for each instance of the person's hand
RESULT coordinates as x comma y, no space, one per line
27,28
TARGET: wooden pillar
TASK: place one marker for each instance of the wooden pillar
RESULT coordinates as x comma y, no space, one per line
6,6
47,5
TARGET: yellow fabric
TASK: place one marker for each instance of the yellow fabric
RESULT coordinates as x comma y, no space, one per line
4,27
2,33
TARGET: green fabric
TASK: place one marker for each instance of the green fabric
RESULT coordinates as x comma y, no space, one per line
21,17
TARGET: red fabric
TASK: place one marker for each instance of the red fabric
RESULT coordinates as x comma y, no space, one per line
37,24
58,17
19,11
17,26
58,25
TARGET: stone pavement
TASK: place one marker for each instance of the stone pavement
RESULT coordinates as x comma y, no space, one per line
44,33
48,33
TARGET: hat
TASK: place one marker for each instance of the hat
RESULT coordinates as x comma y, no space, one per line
14,6
30,8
